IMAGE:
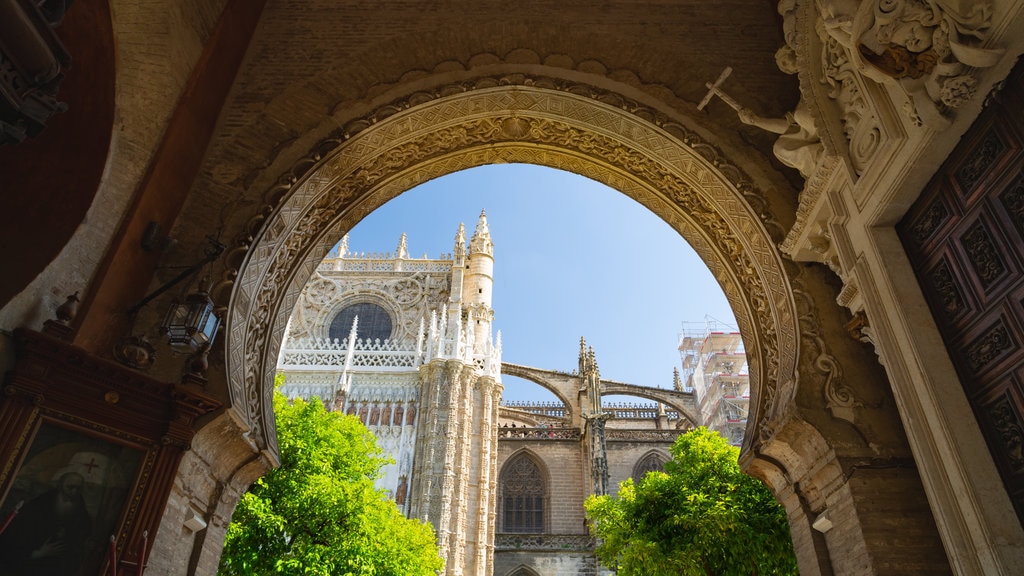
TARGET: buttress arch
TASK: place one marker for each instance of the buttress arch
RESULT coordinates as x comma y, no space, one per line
662,165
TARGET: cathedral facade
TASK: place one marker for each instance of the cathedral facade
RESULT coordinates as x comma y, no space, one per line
386,338
849,171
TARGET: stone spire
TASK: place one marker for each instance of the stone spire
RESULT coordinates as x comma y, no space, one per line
343,247
583,356
480,243
677,383
459,254
593,421
403,247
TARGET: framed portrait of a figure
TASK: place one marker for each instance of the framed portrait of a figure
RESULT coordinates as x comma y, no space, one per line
65,502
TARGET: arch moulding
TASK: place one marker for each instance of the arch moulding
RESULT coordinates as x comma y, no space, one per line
633,149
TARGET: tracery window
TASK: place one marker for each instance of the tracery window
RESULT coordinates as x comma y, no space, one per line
652,462
374,322
523,496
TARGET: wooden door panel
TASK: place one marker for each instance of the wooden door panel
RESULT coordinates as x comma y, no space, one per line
965,239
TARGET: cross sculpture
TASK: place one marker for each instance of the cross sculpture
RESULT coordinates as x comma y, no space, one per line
714,90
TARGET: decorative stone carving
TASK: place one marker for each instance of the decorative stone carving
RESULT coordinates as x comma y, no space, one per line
845,86
839,398
930,48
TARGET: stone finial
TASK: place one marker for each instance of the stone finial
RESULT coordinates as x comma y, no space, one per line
481,243
403,247
583,356
460,238
343,247
459,254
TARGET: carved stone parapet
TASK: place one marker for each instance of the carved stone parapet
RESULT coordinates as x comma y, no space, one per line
544,542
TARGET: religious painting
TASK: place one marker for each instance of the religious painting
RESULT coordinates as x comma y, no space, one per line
64,503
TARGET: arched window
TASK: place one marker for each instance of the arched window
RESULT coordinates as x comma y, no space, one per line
522,571
523,496
651,462
374,322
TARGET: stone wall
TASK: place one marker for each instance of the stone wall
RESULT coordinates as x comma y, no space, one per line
623,457
563,463
553,564
211,479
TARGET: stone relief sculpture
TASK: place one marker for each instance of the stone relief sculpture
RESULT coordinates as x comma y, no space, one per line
929,47
798,145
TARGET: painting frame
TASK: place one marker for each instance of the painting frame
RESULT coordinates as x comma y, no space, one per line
70,490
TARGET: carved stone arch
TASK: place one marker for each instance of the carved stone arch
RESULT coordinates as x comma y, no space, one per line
653,460
673,173
527,473
522,571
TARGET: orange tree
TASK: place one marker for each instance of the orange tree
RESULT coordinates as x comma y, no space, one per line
319,513
701,517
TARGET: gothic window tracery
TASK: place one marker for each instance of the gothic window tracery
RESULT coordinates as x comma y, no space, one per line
523,496
652,462
374,322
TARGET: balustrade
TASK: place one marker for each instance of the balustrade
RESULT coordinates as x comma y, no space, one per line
511,542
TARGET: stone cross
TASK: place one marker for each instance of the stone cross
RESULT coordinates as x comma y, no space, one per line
714,90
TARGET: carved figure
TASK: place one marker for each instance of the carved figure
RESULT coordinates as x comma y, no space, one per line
798,145
927,46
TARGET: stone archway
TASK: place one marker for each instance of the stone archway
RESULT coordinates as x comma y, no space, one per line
793,442
656,162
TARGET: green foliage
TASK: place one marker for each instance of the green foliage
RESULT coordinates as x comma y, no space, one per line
702,516
319,513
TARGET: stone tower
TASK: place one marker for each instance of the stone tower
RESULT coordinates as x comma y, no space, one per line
455,472
428,390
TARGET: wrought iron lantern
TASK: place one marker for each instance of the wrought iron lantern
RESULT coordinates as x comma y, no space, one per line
192,323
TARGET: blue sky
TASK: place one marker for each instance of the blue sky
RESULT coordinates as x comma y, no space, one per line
572,258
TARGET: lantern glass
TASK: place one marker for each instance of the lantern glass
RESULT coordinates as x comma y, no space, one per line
192,323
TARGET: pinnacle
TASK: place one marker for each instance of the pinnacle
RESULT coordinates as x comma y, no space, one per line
481,225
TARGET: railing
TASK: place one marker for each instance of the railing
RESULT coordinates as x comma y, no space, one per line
383,263
320,352
538,433
632,411
555,409
642,435
573,542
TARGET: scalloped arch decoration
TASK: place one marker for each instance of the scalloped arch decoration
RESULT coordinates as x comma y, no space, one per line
684,181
